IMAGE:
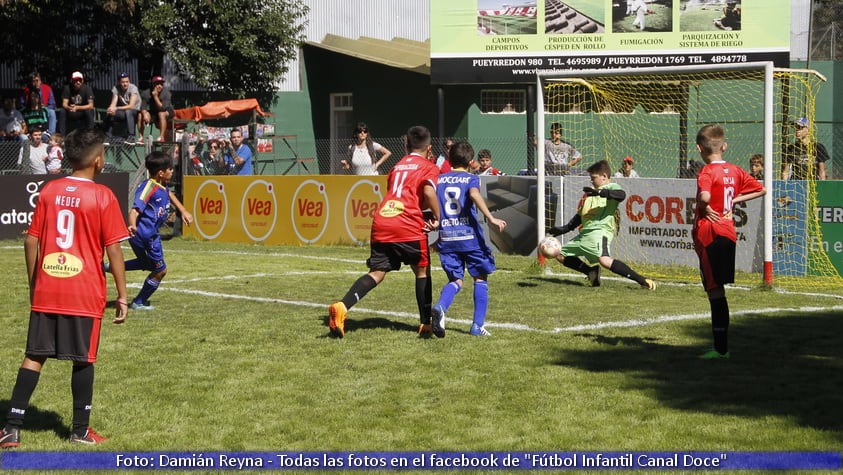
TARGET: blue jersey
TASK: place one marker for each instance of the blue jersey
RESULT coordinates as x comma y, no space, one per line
459,229
152,200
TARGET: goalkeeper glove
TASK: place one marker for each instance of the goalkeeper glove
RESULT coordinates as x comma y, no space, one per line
557,230
592,192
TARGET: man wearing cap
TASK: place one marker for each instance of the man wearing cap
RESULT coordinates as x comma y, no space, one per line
125,103
77,103
798,157
160,106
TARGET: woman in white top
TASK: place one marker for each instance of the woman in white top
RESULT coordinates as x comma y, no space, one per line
362,156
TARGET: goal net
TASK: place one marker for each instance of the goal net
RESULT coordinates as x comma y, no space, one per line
649,117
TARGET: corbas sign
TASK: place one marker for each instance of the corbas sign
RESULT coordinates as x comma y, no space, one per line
19,195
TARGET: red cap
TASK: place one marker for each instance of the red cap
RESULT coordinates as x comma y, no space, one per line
629,159
157,79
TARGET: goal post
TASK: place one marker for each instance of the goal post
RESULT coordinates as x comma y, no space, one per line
652,115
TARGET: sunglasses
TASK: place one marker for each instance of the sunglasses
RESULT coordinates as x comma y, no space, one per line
362,131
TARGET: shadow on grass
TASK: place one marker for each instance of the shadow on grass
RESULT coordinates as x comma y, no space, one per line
574,281
38,420
353,325
789,366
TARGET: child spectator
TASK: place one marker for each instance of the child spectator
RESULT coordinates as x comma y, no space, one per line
756,167
720,186
149,212
399,231
484,159
461,241
627,169
67,307
55,154
596,215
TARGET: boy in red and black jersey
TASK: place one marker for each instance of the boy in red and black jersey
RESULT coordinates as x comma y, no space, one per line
399,231
720,186
74,220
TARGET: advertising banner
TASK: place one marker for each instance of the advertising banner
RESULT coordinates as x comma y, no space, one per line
830,216
496,41
19,194
656,220
317,209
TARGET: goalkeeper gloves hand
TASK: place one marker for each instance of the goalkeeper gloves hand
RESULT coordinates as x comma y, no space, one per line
592,192
557,230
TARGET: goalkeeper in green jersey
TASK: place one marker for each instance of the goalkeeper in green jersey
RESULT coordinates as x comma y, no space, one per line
590,249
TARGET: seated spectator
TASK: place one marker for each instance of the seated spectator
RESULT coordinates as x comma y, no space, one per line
9,114
77,103
161,107
35,115
124,106
484,159
144,119
36,162
48,99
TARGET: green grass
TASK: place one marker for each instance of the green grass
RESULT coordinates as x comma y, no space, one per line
237,357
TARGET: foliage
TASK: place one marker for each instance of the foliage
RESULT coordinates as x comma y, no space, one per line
239,47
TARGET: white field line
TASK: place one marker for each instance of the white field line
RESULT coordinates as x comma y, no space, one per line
509,326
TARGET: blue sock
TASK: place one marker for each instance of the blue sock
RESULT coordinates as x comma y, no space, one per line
446,298
149,287
481,301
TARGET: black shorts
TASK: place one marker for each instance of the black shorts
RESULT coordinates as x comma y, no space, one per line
64,337
388,256
717,263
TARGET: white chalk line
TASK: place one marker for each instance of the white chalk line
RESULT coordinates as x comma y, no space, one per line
502,325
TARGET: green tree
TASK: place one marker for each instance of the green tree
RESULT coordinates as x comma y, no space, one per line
237,47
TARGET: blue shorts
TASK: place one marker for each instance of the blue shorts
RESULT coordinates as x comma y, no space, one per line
479,262
150,253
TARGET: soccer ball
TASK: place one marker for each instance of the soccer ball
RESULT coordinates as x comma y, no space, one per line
550,247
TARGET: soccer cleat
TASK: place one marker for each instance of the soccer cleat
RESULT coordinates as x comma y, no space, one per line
715,355
9,437
478,330
89,438
336,319
141,306
425,330
649,284
594,276
437,317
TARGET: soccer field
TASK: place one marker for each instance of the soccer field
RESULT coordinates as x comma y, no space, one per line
237,356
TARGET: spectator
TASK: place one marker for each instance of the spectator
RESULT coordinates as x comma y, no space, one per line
559,155
627,169
36,162
55,154
9,114
77,103
442,161
161,107
484,159
214,158
35,115
14,131
756,167
45,93
125,103
362,158
144,119
238,156
799,155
